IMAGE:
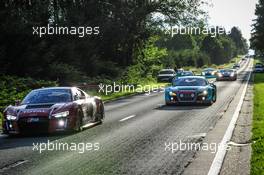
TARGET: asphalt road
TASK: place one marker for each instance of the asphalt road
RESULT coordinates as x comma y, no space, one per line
132,139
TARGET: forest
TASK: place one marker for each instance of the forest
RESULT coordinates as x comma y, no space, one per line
130,44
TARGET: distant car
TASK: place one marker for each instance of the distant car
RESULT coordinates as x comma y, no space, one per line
236,66
259,68
50,110
226,74
166,75
209,73
191,90
185,73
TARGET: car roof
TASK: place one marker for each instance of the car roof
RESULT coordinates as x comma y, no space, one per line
198,77
54,88
209,68
167,70
226,69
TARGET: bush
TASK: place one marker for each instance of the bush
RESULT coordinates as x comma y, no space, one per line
14,88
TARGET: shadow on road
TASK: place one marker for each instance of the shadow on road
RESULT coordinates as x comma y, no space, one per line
181,107
8,142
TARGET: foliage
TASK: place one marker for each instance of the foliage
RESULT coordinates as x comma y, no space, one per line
14,88
257,38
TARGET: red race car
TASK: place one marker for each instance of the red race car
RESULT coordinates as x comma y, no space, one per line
52,110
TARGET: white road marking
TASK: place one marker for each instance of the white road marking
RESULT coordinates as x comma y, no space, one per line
129,117
90,125
220,155
199,135
238,144
13,165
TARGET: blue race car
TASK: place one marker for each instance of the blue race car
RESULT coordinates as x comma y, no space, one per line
209,73
191,90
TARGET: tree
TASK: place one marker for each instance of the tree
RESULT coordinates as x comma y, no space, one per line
257,38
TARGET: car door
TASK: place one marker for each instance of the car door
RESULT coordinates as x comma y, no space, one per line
87,106
81,100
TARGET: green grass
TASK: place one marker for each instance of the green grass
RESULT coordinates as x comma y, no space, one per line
257,158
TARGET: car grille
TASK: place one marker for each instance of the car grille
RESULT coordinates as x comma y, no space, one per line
40,126
187,96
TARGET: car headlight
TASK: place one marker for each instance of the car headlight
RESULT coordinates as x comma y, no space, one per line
11,117
205,92
61,114
220,75
203,73
232,74
172,94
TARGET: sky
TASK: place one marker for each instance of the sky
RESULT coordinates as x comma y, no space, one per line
229,13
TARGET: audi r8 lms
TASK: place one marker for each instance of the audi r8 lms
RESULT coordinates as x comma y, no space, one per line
259,68
209,72
185,73
191,90
236,66
226,74
166,75
51,110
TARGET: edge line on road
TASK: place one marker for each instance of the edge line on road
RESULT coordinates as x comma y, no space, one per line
126,118
220,155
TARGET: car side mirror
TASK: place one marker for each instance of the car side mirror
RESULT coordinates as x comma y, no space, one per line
17,102
75,97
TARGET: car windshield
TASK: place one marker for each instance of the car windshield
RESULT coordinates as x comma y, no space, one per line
189,82
208,70
48,96
166,72
187,73
226,71
258,66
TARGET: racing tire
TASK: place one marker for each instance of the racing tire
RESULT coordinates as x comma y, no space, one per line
78,122
99,117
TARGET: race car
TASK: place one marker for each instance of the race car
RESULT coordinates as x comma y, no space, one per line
236,66
209,73
259,68
191,90
185,73
54,109
226,74
166,75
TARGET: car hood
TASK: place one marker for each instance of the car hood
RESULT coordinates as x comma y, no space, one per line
166,75
186,88
29,110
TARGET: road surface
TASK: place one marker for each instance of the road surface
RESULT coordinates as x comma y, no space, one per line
132,139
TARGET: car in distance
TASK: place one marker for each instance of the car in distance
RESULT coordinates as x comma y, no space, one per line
54,109
259,68
191,90
236,66
209,73
166,75
185,73
226,74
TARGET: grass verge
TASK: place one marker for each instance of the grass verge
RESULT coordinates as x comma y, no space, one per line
257,158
